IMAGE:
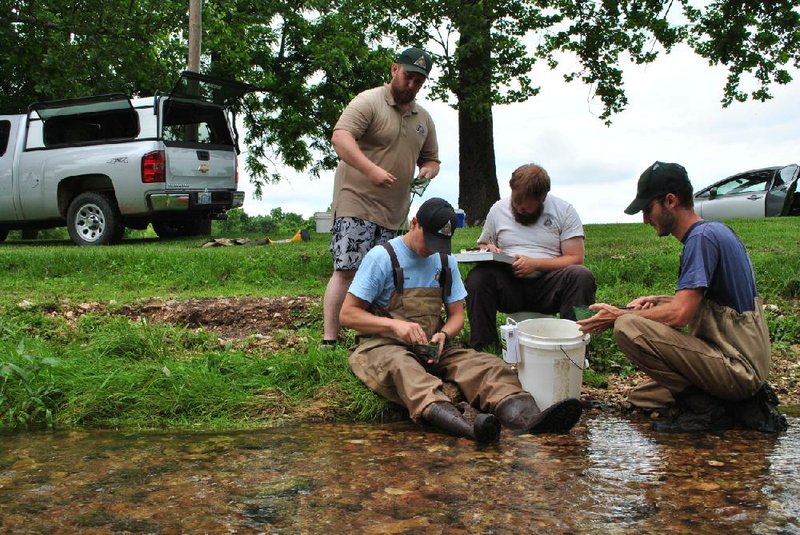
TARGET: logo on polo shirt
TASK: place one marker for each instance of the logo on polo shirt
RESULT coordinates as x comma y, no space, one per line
421,130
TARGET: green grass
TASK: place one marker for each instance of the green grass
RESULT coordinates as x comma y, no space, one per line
112,371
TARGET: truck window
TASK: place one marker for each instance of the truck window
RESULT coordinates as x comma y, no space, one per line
190,122
88,128
5,130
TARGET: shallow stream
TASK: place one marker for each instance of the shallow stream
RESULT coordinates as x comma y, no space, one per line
610,475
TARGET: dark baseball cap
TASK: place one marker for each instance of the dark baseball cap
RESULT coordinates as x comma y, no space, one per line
415,60
656,181
438,221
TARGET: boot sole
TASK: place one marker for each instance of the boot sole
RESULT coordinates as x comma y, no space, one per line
486,429
558,418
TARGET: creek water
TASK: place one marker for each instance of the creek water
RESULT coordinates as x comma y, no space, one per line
609,475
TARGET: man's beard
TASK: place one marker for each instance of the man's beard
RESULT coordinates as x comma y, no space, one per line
666,224
401,96
527,220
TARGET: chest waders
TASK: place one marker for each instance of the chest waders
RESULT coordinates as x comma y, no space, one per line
387,365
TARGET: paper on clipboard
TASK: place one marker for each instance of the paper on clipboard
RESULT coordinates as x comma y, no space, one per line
483,256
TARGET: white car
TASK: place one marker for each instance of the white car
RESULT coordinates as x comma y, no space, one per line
767,192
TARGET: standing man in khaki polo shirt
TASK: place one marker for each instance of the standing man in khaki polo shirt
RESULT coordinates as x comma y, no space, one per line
381,137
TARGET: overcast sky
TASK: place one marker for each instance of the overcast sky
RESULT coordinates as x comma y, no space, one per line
674,115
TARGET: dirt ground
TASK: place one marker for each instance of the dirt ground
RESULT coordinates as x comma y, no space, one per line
271,323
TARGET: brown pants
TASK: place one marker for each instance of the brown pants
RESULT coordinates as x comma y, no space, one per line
676,360
389,369
492,287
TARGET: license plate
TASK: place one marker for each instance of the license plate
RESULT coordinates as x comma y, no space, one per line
204,197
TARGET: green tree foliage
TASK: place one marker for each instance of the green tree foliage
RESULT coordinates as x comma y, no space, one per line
277,224
54,49
485,50
309,58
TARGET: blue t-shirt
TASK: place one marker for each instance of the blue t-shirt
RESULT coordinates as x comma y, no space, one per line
374,281
715,259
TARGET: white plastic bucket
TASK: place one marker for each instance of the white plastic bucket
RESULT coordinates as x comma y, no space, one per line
324,221
551,358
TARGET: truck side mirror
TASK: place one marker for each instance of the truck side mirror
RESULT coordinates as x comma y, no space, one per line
712,193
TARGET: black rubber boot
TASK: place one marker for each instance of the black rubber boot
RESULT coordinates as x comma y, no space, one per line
759,412
696,412
521,414
485,428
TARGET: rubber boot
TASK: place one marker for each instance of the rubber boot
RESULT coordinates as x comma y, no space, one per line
521,414
759,412
444,415
695,412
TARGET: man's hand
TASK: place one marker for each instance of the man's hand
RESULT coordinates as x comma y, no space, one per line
381,177
524,265
441,339
429,169
604,318
409,332
492,248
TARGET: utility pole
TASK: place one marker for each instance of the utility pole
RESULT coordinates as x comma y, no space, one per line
195,32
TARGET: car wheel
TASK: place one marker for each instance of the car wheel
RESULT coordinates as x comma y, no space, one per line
94,219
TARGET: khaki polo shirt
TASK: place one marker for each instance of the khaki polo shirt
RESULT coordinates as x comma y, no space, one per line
395,141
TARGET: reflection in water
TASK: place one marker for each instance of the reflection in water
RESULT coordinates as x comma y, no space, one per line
609,475
624,466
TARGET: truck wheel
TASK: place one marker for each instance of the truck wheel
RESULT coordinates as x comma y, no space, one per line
94,219
3,234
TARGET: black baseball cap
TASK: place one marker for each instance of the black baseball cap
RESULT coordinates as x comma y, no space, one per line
415,60
656,181
438,221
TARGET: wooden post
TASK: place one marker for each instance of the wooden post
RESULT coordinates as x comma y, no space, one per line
195,32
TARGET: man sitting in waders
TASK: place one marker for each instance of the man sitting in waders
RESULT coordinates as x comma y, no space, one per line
395,303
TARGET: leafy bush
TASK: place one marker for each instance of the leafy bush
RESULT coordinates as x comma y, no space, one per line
277,223
28,393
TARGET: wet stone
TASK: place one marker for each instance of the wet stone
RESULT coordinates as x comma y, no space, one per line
609,475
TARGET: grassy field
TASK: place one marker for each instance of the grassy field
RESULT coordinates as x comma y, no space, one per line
102,369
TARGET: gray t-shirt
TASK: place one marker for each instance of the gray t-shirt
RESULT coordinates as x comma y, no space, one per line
559,222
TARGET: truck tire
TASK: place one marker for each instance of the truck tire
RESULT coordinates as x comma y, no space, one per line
94,219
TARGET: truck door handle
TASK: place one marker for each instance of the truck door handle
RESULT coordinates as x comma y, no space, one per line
753,197
203,155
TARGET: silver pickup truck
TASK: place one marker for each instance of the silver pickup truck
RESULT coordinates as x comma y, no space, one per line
100,164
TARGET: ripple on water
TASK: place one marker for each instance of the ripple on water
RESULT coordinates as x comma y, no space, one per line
610,475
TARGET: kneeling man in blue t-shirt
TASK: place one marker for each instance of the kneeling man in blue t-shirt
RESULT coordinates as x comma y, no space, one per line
714,376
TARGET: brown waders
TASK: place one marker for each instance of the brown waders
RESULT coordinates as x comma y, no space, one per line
389,367
716,373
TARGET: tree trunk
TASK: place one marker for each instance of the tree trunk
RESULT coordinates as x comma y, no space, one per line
477,174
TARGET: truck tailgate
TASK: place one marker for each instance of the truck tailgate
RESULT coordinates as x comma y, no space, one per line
200,168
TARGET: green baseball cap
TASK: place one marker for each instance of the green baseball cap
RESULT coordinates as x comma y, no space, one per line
415,60
656,181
